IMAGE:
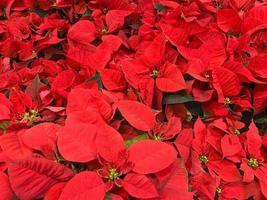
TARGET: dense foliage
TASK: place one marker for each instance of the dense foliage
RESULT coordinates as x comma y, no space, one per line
133,99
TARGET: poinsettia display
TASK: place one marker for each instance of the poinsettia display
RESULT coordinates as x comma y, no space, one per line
133,99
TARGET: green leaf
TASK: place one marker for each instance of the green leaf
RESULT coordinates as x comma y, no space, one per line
4,125
128,143
108,196
177,97
261,118
87,13
194,108
205,115
159,6
96,78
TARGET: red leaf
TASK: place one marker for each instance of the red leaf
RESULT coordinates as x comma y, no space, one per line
139,186
241,4
254,141
85,185
138,115
153,54
200,134
86,117
6,191
150,156
259,98
41,136
109,143
231,145
263,186
228,171
113,79
4,113
116,4
243,73
55,191
115,19
100,58
176,35
172,80
76,142
204,185
255,19
33,88
63,81
183,143
214,50
174,182
225,82
228,20
258,66
83,99
13,146
32,177
83,32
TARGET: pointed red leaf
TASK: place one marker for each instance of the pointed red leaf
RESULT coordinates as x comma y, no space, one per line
153,54
55,191
174,182
263,186
139,186
113,79
12,145
76,142
257,66
32,177
115,19
254,141
183,143
172,80
137,114
81,99
259,98
85,185
109,143
4,112
255,19
150,156
86,117
231,145
83,32
228,20
33,88
5,191
176,35
41,136
242,72
225,82
228,171
241,4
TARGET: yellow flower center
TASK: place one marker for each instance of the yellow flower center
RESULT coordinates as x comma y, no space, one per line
157,137
227,101
104,30
253,163
237,132
218,190
204,159
113,174
30,116
207,76
154,74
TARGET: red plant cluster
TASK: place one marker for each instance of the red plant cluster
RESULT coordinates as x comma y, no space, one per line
133,99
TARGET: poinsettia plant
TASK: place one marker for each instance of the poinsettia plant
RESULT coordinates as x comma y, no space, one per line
133,99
